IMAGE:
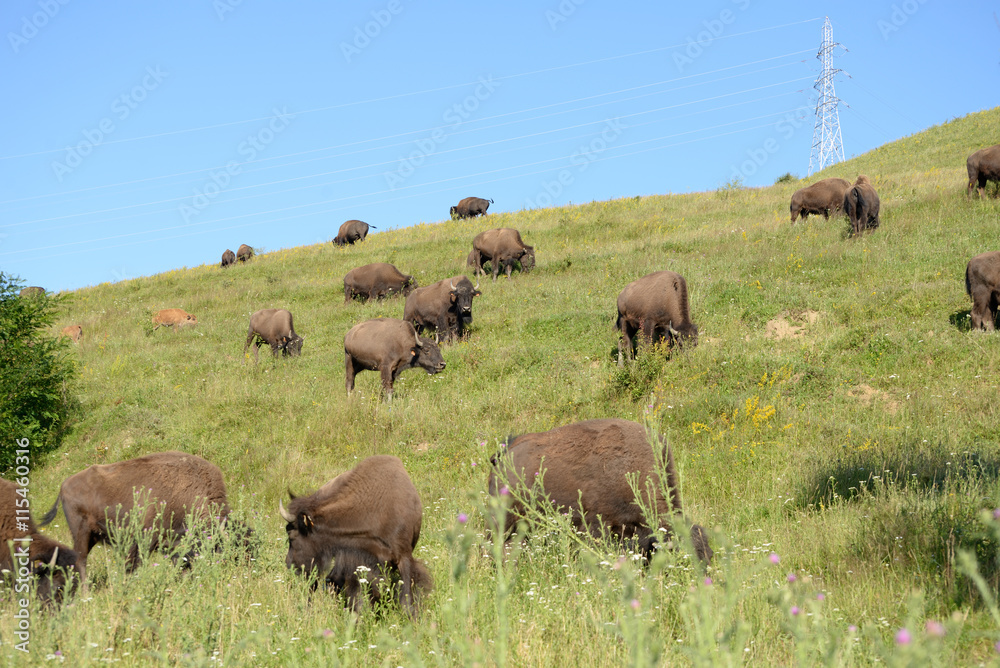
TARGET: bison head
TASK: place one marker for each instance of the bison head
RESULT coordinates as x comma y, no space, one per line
305,555
427,356
528,259
293,345
193,320
461,296
453,212
684,334
52,577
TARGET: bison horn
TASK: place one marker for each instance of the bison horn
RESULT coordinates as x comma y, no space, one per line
451,285
285,515
55,557
673,331
477,283
416,337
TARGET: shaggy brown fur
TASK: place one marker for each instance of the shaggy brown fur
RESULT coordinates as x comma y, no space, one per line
470,207
94,497
351,232
228,258
244,253
861,204
501,248
656,305
369,516
74,332
173,317
983,166
445,307
273,326
583,467
982,283
390,347
823,197
375,281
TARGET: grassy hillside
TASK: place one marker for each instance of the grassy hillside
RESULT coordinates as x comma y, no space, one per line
837,412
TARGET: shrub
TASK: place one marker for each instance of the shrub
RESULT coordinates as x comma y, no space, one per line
787,177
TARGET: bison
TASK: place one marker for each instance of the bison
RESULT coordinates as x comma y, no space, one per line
983,166
823,197
445,307
244,253
502,248
34,553
228,258
390,347
103,495
74,332
583,468
352,231
32,291
174,317
656,305
982,283
273,326
376,280
367,519
470,207
861,205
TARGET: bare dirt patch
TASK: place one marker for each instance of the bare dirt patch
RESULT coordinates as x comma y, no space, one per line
867,395
790,325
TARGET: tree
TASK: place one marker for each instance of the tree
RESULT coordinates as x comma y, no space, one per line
34,371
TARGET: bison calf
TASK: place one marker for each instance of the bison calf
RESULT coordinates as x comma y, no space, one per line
74,332
982,283
173,317
861,204
445,307
584,469
351,232
501,248
983,166
656,305
823,197
388,346
273,326
367,519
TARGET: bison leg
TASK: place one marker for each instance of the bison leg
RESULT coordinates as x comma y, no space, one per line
246,345
388,376
405,568
349,371
982,318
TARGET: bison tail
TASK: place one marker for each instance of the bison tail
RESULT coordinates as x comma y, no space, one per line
968,281
674,482
699,540
51,515
422,579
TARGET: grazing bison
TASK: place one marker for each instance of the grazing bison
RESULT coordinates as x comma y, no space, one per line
244,253
584,469
367,518
32,291
861,205
656,305
390,347
101,496
273,326
983,166
982,283
34,553
173,317
445,307
376,280
470,207
352,231
823,197
74,332
228,258
502,248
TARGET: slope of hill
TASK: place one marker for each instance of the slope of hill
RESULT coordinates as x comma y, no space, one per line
836,412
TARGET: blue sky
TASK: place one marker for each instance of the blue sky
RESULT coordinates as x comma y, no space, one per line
142,137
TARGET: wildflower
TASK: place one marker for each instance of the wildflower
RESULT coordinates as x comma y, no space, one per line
327,633
997,647
462,518
996,513
795,610
791,577
903,637
504,491
708,582
774,558
935,628
635,604
852,628
820,596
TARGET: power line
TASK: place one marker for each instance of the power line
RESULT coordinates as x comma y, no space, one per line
827,146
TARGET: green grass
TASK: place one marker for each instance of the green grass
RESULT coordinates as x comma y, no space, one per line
861,449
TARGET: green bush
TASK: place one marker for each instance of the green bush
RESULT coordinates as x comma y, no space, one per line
34,371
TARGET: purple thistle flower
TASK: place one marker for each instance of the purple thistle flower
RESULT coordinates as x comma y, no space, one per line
462,518
635,604
852,628
996,513
934,628
795,610
821,596
903,637
504,491
791,577
775,559
708,582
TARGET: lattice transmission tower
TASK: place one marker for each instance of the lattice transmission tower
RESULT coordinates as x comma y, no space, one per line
827,146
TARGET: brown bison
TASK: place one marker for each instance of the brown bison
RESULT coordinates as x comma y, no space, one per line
861,205
390,347
74,332
228,258
244,253
352,231
826,196
583,468
375,281
983,166
982,283
367,519
656,305
173,317
32,291
445,307
103,495
273,326
35,554
470,207
501,248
